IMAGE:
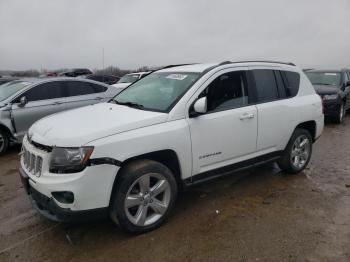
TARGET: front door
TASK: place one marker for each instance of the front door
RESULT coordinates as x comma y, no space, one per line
43,99
227,133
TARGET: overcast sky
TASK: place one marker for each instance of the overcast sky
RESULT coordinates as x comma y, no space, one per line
70,33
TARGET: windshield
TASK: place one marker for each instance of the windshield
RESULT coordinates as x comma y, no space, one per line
9,89
129,78
157,91
324,78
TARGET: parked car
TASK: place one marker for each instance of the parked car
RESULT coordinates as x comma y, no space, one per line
128,79
107,79
176,127
334,88
22,102
76,72
4,80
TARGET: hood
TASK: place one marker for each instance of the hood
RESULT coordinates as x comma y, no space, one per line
326,90
77,127
121,85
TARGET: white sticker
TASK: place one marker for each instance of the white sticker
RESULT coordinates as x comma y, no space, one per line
177,76
330,74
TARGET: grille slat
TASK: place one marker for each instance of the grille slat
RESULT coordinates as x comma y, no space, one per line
32,162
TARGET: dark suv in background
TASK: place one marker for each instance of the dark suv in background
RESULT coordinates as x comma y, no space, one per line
334,88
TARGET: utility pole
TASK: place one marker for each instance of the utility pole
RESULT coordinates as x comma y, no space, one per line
103,58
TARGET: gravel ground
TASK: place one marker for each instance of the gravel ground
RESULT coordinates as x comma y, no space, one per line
258,215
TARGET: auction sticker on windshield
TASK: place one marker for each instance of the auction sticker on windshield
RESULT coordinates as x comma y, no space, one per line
177,76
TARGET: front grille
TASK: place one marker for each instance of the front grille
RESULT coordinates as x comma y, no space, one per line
32,162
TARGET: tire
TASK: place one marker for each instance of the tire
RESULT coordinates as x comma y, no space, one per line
289,161
340,117
4,141
136,207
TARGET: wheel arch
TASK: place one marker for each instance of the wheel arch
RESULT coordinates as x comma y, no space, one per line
6,129
167,157
310,126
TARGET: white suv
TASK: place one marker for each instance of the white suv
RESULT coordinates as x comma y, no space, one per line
176,127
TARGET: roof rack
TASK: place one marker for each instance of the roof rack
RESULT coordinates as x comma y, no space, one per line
257,61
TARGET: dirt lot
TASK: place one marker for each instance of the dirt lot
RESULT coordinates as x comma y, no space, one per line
259,215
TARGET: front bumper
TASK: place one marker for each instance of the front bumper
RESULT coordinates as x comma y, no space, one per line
48,207
331,108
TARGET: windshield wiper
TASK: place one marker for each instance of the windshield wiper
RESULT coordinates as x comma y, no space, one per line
130,104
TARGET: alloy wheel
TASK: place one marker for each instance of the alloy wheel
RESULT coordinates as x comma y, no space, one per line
147,199
300,151
341,113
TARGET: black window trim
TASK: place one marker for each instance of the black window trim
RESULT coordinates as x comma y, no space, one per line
256,99
286,83
252,89
249,90
33,86
86,82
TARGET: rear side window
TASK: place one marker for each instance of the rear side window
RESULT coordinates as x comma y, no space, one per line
45,91
292,82
98,88
77,88
265,84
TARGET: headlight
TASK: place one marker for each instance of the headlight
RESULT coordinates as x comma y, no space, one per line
330,97
69,160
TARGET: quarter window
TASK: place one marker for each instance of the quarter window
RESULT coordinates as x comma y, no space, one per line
265,84
227,91
292,83
98,88
77,88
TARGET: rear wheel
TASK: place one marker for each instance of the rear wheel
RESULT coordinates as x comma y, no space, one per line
144,196
4,141
297,154
340,117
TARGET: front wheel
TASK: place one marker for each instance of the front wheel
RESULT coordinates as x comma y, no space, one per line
4,141
297,154
144,196
340,117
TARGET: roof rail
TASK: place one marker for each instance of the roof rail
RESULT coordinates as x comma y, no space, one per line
257,61
170,66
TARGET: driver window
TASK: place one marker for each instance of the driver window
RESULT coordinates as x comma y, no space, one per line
227,91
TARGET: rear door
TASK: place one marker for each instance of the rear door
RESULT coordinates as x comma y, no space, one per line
43,99
273,102
81,93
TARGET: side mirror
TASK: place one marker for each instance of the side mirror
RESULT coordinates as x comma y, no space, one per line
23,101
199,107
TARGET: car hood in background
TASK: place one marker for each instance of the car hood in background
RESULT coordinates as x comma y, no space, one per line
326,90
121,85
77,127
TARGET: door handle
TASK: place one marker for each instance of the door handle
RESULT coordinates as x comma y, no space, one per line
246,116
57,103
